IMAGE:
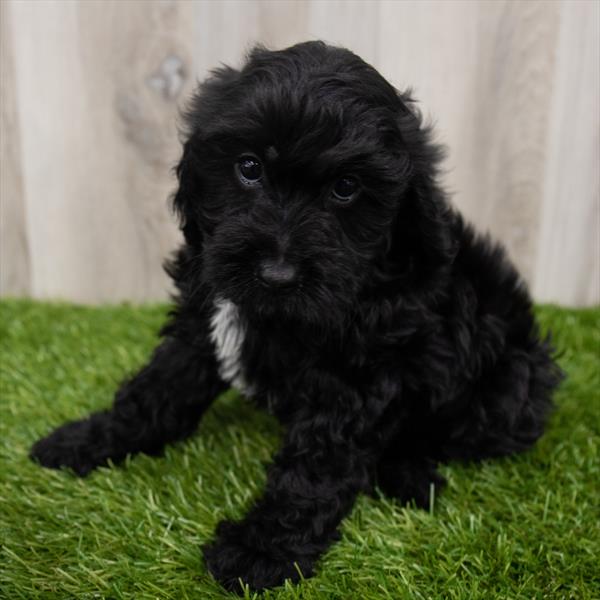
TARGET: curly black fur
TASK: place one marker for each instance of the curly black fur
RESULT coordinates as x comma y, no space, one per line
403,338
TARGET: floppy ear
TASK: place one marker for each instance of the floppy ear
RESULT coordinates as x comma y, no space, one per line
423,235
424,230
187,195
199,121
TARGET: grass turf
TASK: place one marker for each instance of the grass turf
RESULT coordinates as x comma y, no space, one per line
519,528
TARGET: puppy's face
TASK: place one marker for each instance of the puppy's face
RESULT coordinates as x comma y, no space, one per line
292,176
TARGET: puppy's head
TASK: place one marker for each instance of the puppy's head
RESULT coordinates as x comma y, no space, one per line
306,180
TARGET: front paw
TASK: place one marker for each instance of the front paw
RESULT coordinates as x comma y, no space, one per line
234,559
410,480
80,446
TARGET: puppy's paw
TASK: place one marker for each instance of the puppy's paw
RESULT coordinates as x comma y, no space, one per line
410,480
81,446
233,561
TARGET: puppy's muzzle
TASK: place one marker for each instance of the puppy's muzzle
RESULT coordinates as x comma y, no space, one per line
277,274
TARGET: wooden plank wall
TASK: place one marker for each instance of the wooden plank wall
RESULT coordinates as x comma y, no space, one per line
90,91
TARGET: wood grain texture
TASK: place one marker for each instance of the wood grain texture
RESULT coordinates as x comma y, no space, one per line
568,254
515,83
223,33
15,277
99,139
512,88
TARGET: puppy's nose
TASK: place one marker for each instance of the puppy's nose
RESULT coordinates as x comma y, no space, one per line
277,273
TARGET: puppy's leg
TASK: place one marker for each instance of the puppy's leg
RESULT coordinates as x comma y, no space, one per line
407,467
409,479
311,486
509,409
161,404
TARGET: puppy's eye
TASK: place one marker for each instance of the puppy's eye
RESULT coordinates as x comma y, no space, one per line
249,170
345,190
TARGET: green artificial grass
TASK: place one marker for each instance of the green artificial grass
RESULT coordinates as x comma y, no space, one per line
520,528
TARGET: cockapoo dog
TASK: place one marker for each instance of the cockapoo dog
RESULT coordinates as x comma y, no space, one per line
325,275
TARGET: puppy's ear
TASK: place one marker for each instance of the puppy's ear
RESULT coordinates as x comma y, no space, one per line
187,196
199,122
423,235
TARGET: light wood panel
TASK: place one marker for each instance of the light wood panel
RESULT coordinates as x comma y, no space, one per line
568,249
98,141
15,276
90,91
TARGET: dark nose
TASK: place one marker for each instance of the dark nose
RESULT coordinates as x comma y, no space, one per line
277,273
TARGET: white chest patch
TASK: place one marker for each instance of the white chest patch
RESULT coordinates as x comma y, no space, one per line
227,332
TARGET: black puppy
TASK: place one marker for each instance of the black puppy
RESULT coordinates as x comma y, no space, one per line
325,275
